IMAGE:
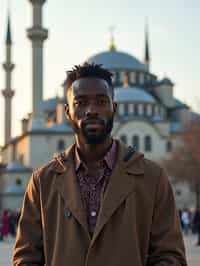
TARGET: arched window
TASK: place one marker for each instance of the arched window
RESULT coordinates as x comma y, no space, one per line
136,142
133,77
147,143
61,145
123,138
114,76
169,146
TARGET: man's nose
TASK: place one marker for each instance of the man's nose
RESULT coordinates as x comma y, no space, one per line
92,110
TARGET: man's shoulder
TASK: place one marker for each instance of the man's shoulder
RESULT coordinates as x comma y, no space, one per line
149,168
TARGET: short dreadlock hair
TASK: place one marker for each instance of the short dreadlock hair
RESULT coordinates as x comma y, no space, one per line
88,70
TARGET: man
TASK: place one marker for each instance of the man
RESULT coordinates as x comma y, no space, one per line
99,203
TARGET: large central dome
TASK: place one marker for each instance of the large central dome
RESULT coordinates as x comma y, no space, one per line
117,60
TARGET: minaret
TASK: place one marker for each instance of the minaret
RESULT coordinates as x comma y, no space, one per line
147,58
8,93
37,34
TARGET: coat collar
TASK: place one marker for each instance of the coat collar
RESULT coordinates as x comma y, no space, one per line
116,192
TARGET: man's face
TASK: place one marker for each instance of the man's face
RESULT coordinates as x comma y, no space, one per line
90,109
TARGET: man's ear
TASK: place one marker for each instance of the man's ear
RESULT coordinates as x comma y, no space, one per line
67,110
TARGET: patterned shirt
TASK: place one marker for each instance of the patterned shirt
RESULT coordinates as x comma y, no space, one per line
92,188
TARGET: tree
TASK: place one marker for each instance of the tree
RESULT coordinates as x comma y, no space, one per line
184,162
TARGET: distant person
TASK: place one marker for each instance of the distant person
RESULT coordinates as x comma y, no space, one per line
5,224
196,222
185,218
12,223
1,224
100,203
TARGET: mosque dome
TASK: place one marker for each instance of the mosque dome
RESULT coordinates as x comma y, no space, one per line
117,60
133,94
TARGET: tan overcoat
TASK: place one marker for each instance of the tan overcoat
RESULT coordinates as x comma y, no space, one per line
137,224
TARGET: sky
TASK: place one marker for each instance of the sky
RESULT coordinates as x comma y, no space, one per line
79,29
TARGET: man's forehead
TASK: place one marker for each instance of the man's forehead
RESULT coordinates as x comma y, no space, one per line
85,86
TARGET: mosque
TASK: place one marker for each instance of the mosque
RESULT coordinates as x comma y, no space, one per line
149,117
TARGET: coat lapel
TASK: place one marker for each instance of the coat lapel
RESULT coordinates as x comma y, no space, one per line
121,184
67,185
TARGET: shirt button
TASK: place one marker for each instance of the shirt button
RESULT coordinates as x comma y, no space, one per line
93,213
93,188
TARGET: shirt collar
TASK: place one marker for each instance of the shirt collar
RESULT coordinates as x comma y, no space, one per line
109,157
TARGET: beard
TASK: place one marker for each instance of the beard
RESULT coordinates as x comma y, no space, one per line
93,136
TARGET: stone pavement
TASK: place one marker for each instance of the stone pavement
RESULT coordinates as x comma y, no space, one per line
193,252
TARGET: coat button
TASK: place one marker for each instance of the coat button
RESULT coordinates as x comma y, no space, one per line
68,214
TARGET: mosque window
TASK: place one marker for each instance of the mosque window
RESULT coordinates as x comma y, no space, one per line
123,139
156,110
169,146
122,76
114,76
121,109
140,109
136,142
178,192
133,77
149,110
147,143
61,145
18,181
130,108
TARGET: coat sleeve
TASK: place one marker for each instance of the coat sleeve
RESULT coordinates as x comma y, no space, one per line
28,248
166,241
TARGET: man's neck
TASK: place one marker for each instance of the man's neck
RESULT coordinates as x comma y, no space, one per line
93,152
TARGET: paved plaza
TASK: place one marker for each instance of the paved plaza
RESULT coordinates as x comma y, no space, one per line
193,252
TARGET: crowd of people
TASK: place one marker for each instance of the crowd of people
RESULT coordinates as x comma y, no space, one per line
190,222
8,223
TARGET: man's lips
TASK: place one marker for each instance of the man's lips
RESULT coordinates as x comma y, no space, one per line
93,124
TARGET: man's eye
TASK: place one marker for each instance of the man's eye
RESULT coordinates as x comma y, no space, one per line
102,101
80,103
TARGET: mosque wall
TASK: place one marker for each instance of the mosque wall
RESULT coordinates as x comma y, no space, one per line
184,197
23,151
9,179
43,147
164,128
143,129
11,201
7,153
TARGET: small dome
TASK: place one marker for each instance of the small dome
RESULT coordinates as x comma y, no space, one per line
117,60
133,95
16,189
